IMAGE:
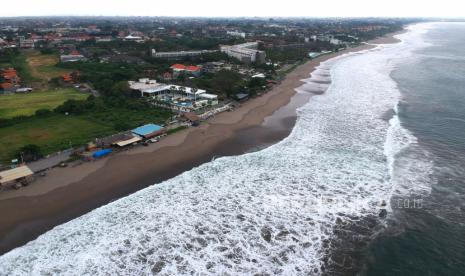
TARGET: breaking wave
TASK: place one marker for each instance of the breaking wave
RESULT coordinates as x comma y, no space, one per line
270,212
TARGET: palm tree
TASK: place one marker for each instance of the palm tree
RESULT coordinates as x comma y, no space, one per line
194,90
172,89
182,90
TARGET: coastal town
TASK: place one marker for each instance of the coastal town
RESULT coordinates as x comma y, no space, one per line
319,138
76,90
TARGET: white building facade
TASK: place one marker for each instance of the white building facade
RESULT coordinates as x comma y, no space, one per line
246,52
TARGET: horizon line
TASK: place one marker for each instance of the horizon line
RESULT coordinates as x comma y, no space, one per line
236,17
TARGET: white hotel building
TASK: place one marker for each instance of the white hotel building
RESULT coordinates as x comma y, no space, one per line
180,54
178,97
246,52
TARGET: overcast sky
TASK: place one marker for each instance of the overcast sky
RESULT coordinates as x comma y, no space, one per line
237,8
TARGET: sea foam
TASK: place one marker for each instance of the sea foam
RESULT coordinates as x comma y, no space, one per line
270,211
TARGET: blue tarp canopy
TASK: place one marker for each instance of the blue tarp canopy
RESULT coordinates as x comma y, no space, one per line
147,129
101,153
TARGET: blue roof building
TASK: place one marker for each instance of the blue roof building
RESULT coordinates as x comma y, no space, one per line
149,130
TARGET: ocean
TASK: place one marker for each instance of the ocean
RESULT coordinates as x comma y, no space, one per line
370,181
426,233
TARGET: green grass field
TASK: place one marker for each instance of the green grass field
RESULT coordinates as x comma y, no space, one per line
52,134
43,67
26,104
35,69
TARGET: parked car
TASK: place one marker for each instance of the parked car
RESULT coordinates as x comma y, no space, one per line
154,140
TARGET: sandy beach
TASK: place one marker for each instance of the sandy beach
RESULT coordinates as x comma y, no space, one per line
66,193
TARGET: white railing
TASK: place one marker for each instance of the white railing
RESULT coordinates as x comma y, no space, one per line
212,112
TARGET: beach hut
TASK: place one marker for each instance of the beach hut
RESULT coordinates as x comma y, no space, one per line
191,117
21,173
127,142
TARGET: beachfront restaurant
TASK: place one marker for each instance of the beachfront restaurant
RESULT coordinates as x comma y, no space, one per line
149,131
121,140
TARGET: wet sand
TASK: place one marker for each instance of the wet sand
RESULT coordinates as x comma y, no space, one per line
66,193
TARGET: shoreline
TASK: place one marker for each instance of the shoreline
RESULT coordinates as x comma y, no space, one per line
66,193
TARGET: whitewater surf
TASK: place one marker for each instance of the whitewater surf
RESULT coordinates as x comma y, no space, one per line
272,211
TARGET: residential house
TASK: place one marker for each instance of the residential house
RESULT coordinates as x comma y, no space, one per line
212,67
72,57
11,80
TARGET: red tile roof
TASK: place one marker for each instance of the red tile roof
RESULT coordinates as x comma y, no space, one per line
9,70
84,37
10,75
67,78
192,68
6,85
178,66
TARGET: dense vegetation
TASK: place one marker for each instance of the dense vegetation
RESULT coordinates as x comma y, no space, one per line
378,32
168,43
12,57
225,83
209,57
104,76
293,53
115,111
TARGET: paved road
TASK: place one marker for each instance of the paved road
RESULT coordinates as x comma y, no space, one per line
49,162
91,90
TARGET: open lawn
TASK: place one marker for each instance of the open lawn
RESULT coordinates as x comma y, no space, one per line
42,66
26,104
53,133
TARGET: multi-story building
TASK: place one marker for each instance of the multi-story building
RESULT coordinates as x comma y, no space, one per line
180,54
236,34
246,52
26,43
